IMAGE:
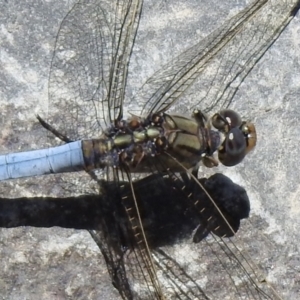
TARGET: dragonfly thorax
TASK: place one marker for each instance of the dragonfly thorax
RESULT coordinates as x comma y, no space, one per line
160,140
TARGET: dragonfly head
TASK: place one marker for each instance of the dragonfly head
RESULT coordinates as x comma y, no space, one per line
239,137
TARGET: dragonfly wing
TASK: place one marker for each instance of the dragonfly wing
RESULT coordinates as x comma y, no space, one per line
181,269
122,240
89,66
217,65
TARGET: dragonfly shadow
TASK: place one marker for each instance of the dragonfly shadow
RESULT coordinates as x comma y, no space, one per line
168,214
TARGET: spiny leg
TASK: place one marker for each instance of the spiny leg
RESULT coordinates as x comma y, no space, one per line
50,128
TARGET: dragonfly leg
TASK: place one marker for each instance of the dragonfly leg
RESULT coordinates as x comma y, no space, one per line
53,130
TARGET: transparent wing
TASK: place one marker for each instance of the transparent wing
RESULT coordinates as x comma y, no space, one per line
90,64
217,65
120,237
214,268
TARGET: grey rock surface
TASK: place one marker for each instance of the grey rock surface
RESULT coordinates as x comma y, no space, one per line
58,263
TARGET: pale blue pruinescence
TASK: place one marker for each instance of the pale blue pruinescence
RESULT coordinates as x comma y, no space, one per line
65,158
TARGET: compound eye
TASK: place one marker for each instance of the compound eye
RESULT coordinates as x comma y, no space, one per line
226,119
233,149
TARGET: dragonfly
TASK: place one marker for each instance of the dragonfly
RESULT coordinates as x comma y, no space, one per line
100,88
